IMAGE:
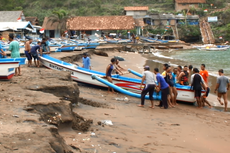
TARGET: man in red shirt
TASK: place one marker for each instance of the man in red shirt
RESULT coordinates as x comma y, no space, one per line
204,74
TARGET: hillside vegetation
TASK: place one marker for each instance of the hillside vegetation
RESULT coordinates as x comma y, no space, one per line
42,8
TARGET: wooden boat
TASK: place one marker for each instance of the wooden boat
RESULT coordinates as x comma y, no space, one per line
84,76
7,69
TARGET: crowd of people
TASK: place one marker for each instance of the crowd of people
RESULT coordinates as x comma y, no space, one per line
30,52
167,81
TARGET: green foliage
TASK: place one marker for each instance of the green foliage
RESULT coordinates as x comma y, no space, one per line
189,30
44,8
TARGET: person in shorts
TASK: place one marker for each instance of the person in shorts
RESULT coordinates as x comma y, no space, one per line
222,86
27,51
34,52
196,86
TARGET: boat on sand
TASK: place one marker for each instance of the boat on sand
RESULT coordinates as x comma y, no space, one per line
131,84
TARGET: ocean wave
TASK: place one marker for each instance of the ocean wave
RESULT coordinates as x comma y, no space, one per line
161,56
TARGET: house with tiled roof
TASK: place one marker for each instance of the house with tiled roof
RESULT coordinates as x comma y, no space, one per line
186,4
136,10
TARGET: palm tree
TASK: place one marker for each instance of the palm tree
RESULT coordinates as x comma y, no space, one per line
60,18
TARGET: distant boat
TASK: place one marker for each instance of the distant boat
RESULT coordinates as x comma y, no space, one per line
217,49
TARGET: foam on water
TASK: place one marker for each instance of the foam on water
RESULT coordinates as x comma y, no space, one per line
161,56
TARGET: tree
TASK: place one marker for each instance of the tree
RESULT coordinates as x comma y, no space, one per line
61,16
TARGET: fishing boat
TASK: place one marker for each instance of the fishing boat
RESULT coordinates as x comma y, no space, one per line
217,49
84,76
7,69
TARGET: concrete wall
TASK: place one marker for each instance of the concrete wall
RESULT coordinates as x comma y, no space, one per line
179,7
133,13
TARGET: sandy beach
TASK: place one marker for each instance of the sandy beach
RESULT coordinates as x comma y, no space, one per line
32,103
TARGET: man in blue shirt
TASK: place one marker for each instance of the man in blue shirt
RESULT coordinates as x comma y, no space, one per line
2,53
86,61
164,89
34,52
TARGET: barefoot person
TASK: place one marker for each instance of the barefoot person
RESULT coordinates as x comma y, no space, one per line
27,51
196,86
174,75
34,52
164,87
204,74
222,87
149,79
15,53
170,81
109,70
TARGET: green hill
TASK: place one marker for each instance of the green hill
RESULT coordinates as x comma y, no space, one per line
42,8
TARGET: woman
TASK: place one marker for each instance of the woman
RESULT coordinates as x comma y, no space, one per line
164,68
169,79
109,70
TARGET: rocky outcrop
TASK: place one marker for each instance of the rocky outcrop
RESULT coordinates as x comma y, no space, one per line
34,106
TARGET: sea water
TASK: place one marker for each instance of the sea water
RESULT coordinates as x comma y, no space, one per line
214,60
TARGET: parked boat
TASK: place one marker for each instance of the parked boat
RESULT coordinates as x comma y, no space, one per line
184,92
7,69
84,75
217,49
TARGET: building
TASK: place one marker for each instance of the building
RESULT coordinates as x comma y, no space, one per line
160,19
96,24
136,10
186,4
12,16
51,29
170,19
33,20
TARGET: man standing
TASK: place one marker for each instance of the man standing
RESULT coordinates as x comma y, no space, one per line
196,85
164,87
222,87
27,51
204,74
15,53
149,79
86,61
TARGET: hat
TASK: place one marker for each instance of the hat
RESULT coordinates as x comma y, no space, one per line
146,67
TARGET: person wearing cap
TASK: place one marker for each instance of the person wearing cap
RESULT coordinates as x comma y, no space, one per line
86,61
222,86
149,79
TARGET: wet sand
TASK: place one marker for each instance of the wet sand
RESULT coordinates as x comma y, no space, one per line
144,130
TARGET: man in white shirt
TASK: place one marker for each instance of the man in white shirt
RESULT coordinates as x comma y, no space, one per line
149,79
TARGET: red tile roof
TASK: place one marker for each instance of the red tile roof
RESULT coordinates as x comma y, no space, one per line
101,23
139,22
136,8
191,1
